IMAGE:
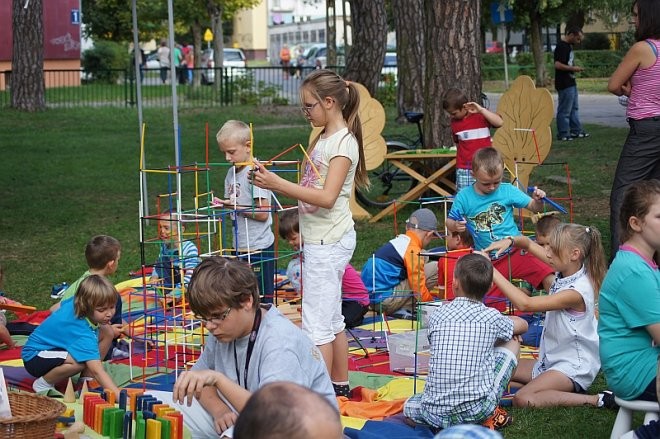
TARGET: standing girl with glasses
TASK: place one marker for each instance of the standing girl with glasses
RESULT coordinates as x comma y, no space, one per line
336,161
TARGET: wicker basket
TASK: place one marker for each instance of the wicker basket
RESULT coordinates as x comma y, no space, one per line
33,416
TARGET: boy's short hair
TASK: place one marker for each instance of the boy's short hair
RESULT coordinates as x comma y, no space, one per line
95,291
454,99
474,272
546,224
100,250
219,281
466,237
489,160
289,223
233,129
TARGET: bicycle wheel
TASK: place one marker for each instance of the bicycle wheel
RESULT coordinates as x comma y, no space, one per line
387,181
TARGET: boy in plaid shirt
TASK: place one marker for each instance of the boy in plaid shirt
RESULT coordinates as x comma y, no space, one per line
473,355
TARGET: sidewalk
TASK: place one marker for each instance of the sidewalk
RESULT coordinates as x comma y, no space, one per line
600,109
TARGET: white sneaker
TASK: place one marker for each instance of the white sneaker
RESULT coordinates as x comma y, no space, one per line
40,385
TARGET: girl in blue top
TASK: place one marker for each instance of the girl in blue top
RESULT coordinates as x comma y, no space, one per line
629,325
68,343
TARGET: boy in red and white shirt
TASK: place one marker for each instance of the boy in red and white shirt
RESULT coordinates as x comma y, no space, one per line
470,126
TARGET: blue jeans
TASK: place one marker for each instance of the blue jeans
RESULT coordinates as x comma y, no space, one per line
568,121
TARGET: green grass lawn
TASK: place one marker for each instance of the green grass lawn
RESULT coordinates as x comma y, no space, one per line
69,174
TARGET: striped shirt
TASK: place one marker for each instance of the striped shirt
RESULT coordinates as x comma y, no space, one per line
645,94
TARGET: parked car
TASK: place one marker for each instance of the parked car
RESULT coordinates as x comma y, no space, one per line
233,60
494,47
389,68
318,54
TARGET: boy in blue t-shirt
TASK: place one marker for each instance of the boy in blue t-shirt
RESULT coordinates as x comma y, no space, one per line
486,210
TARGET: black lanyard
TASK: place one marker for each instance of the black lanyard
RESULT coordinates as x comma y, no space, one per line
250,348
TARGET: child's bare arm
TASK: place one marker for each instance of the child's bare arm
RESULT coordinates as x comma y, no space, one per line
96,369
520,326
494,119
536,204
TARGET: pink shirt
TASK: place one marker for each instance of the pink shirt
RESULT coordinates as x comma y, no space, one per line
352,287
645,94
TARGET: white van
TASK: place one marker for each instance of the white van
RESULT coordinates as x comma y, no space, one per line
233,60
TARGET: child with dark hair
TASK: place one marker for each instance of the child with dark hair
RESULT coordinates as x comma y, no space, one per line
629,324
69,342
458,244
470,126
355,297
473,355
545,226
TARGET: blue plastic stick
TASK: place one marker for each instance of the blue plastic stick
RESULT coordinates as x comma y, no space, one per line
554,204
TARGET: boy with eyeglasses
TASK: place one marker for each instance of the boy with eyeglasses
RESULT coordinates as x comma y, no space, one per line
486,210
248,346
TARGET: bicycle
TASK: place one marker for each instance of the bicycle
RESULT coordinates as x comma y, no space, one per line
388,183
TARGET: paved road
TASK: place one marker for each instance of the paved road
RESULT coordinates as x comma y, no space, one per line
601,109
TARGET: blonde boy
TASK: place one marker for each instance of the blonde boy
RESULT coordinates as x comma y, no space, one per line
486,208
251,205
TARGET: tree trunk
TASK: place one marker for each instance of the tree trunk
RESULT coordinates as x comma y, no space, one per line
367,55
27,76
537,48
452,60
411,56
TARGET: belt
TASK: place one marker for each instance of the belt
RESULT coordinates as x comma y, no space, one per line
646,119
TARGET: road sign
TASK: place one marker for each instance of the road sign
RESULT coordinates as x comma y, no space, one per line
500,13
208,36
75,16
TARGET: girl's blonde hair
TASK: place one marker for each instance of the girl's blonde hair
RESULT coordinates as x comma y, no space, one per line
327,84
587,240
94,291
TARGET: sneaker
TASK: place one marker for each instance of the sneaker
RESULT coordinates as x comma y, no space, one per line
58,290
606,400
565,139
580,135
342,390
498,420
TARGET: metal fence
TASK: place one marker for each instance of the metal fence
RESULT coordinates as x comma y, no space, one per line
217,87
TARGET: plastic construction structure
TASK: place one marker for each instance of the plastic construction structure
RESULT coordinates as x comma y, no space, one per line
158,314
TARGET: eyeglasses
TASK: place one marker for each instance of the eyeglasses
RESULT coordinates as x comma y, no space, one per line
216,320
306,109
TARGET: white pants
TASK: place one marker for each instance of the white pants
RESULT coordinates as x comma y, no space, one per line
322,274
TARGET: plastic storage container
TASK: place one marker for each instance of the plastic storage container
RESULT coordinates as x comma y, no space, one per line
402,349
